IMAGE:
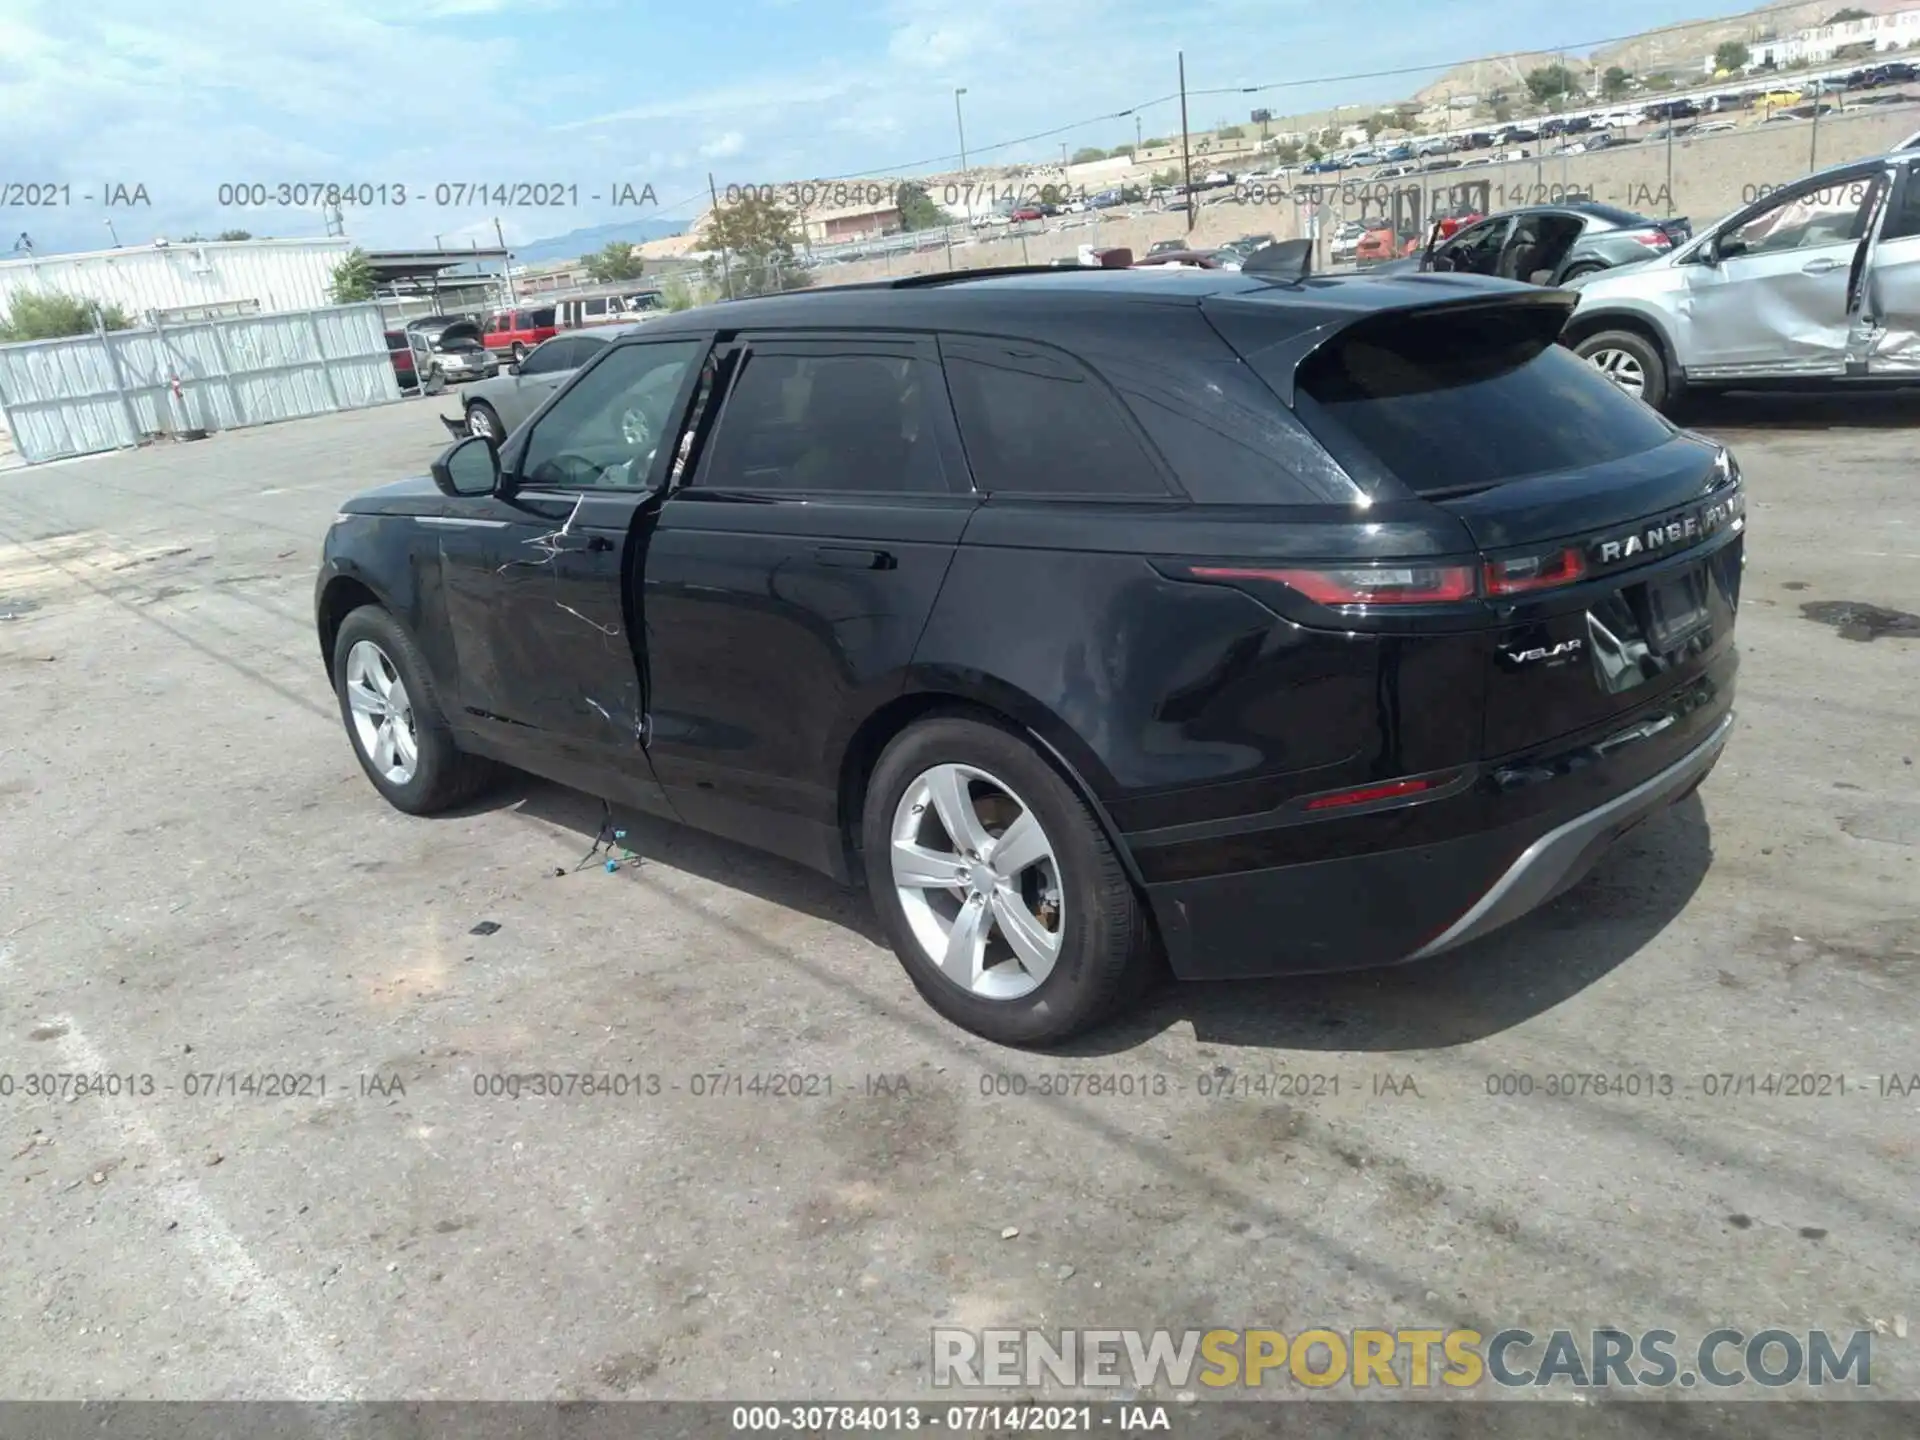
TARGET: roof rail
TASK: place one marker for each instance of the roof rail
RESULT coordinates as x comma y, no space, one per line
985,272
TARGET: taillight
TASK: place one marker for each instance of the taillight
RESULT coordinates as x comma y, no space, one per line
1653,239
1360,584
1340,798
1536,572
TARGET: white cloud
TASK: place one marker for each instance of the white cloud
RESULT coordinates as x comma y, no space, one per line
722,146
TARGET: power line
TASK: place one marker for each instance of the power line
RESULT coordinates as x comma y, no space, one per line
908,167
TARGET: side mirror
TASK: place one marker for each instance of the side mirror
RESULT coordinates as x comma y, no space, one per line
513,367
469,467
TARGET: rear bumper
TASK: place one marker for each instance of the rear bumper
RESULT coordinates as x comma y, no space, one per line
1358,911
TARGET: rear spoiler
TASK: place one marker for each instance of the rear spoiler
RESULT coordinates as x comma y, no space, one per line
1248,324
1679,231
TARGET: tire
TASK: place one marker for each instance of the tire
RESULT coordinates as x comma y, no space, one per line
519,352
441,775
1618,352
484,420
1582,270
1100,938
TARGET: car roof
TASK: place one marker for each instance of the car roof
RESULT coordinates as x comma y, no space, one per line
1031,302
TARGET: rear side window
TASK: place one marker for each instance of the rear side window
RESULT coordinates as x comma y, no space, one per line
1036,422
827,419
1449,402
540,317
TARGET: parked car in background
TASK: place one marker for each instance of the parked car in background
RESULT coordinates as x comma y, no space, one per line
1550,244
1183,693
1193,259
514,332
414,363
602,307
494,408
460,353
1817,283
1165,247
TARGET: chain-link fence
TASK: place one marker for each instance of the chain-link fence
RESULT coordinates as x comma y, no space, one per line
1698,168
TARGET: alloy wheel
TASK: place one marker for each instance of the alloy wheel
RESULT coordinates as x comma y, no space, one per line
479,424
1621,368
382,712
976,875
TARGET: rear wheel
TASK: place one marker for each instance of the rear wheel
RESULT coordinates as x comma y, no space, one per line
1631,361
1003,898
393,717
519,352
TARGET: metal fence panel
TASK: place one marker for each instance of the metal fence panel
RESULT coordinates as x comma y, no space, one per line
111,390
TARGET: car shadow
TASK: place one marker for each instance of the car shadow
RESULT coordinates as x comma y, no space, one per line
1531,966
664,842
1523,970
1801,410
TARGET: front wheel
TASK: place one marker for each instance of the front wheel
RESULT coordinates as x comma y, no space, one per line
1003,899
1630,361
483,420
393,717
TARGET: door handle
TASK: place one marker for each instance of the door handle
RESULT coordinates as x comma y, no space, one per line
843,558
1819,267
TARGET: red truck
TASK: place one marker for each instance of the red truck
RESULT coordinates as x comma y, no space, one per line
514,332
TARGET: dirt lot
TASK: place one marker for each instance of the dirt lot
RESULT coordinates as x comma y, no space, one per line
196,881
1710,177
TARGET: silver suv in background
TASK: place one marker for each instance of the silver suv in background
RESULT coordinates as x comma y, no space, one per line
495,408
1817,282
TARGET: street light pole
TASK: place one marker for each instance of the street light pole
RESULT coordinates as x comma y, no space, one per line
1186,155
960,125
114,233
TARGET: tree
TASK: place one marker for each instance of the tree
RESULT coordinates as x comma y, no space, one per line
1615,83
1841,17
1373,125
353,278
1731,55
234,235
1087,154
756,233
1166,177
917,211
1549,83
1657,83
1502,111
1120,152
1152,141
1230,132
50,315
616,260
1288,153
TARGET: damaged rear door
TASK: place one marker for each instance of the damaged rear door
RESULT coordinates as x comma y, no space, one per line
1888,332
572,685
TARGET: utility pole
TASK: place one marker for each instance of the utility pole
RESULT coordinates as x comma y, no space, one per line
506,265
1138,143
726,265
1186,155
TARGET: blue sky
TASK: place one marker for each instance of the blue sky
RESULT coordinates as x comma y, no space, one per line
181,98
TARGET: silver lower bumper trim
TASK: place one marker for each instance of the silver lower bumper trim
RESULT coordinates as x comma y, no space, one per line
1547,865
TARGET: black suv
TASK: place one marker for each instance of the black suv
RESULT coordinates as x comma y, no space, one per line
1275,625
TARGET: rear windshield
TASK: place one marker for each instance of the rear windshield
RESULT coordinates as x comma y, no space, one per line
1450,402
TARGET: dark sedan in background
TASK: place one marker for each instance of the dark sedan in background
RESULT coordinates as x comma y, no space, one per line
1549,244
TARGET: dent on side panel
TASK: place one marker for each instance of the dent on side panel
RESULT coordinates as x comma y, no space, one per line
1892,340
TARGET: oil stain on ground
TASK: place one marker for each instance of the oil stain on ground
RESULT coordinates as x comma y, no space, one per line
1857,620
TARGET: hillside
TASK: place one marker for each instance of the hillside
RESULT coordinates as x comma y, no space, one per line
1678,47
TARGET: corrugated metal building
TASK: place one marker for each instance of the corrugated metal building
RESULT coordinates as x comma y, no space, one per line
275,275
